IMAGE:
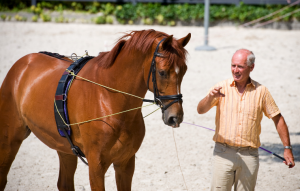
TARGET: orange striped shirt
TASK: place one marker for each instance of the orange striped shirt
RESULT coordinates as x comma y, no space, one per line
238,117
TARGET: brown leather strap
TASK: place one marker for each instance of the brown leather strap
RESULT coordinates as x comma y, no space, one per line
59,97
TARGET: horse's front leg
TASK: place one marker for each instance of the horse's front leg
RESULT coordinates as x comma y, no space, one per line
67,168
124,172
97,168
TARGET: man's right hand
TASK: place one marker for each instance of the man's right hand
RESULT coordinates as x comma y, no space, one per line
215,93
205,104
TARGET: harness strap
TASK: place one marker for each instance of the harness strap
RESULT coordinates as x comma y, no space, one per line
76,150
60,101
61,95
157,97
148,100
166,106
55,55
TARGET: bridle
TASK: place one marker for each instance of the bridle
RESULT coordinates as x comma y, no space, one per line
158,98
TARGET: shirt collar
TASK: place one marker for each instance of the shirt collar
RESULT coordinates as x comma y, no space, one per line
233,83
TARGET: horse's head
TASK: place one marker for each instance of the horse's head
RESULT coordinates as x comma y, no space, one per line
165,76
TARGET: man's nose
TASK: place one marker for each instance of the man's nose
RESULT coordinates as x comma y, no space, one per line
235,69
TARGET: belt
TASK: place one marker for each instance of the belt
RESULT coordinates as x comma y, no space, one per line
236,148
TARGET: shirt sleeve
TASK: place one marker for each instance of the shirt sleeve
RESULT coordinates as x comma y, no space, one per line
270,108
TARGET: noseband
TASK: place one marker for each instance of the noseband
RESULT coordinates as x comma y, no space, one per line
158,98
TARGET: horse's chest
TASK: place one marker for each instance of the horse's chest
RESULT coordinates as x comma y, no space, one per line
128,143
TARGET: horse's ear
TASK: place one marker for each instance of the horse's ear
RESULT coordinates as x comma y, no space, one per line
183,41
167,42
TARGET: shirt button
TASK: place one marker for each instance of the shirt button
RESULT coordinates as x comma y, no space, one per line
239,123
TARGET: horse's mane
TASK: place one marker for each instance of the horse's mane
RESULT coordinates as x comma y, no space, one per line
142,41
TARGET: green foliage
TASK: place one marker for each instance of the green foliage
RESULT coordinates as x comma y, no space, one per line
125,13
36,10
148,21
160,19
197,11
169,12
20,18
148,10
109,19
45,17
3,8
297,15
3,17
100,20
20,6
108,8
61,19
46,5
171,23
59,7
93,8
78,6
34,18
14,4
155,13
130,22
183,12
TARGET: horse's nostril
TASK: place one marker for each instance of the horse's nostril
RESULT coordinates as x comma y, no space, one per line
172,120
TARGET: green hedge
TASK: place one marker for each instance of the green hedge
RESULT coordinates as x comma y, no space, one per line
151,13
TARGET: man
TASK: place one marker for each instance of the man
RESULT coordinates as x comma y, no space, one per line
241,103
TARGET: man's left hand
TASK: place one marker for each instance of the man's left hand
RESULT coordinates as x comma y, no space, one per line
289,158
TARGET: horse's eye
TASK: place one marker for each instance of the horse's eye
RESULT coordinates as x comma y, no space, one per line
162,73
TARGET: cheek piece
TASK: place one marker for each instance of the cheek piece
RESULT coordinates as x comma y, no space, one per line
158,98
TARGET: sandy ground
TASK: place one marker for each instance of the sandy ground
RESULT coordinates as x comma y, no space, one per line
277,53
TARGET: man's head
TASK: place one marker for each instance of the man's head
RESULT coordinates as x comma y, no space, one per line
242,63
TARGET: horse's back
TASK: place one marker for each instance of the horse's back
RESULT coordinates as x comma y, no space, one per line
10,87
27,73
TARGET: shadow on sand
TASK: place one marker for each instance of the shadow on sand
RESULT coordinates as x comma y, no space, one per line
278,149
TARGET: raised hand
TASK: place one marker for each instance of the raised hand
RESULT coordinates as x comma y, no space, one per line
215,93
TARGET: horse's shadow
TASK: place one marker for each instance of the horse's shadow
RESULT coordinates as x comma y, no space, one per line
278,149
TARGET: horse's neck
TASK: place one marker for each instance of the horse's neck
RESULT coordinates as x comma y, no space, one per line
126,74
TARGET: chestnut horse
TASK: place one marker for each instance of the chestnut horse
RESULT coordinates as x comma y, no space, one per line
28,90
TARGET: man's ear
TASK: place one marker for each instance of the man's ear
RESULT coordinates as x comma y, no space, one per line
252,67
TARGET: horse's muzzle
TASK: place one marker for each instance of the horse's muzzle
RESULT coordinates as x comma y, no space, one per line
172,118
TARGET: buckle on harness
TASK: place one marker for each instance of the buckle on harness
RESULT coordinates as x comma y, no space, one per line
74,57
74,150
62,97
68,127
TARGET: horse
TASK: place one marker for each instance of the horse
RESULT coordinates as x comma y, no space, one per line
28,91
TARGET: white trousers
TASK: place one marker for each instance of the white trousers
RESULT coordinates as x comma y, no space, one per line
234,166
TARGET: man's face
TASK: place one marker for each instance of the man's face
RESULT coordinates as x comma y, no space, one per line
240,70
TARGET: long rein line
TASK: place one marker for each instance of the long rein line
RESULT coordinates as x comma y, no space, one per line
276,155
145,100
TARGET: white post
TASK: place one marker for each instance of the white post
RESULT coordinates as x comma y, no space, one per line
206,25
33,2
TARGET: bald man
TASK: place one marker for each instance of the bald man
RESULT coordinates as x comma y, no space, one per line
240,103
